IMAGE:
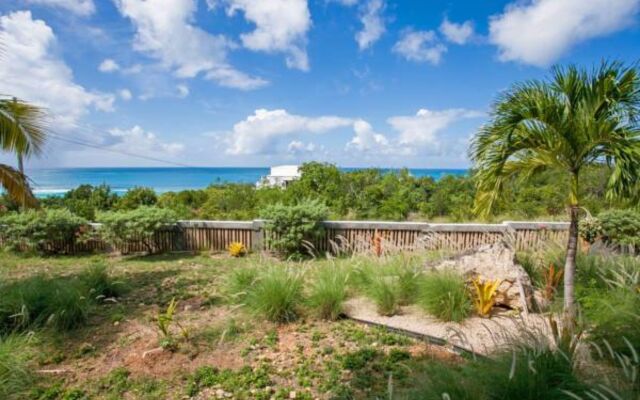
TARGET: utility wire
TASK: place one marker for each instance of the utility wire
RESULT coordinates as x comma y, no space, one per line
99,147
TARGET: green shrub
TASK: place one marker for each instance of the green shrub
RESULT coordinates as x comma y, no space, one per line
137,197
15,377
277,294
590,229
621,227
444,295
328,291
139,226
41,231
292,228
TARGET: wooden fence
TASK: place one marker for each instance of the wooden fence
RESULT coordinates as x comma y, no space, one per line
346,236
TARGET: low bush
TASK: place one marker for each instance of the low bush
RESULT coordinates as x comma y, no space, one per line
445,296
277,294
42,231
15,377
621,227
328,291
293,228
98,284
138,226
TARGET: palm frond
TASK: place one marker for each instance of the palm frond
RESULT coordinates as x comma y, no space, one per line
17,186
22,127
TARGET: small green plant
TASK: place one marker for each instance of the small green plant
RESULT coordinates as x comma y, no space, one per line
328,292
135,227
277,294
165,321
445,296
237,249
291,229
485,295
98,284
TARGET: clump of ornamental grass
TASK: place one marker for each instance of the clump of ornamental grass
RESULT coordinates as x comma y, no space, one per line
59,303
15,376
444,295
408,278
383,290
238,283
99,284
277,294
328,291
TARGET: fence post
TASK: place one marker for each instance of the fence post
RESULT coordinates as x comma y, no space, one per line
257,236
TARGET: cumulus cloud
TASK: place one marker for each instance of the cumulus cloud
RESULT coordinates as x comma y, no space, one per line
539,32
31,69
125,94
79,7
140,141
366,140
183,91
260,133
373,25
281,26
456,33
421,129
164,31
420,46
297,147
108,65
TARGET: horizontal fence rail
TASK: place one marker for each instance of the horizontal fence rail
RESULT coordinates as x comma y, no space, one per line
339,236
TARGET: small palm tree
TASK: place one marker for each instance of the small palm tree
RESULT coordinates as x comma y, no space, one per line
22,132
575,119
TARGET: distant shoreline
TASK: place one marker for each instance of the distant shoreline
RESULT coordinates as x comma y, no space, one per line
51,182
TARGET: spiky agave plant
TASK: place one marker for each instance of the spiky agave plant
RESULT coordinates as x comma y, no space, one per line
485,295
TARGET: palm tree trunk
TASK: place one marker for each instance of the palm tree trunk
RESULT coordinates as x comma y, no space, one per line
570,268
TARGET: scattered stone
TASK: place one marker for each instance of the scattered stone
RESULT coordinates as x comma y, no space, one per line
152,352
292,395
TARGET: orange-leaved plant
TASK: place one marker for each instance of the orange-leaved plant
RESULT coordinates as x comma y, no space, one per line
552,278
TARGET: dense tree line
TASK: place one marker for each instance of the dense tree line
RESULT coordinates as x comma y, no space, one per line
360,194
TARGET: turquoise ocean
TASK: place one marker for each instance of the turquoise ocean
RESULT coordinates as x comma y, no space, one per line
55,182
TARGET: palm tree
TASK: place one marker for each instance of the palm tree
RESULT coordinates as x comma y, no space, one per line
22,132
574,119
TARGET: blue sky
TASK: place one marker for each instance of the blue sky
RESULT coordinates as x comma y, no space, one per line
256,83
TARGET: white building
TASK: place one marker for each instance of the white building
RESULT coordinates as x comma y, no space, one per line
280,176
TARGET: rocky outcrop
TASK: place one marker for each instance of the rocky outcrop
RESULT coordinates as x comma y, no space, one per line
494,261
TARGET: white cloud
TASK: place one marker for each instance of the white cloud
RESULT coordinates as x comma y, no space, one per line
373,25
456,33
422,128
297,147
164,31
539,32
420,46
183,91
31,69
140,141
79,7
281,26
260,133
367,140
347,3
108,65
125,94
